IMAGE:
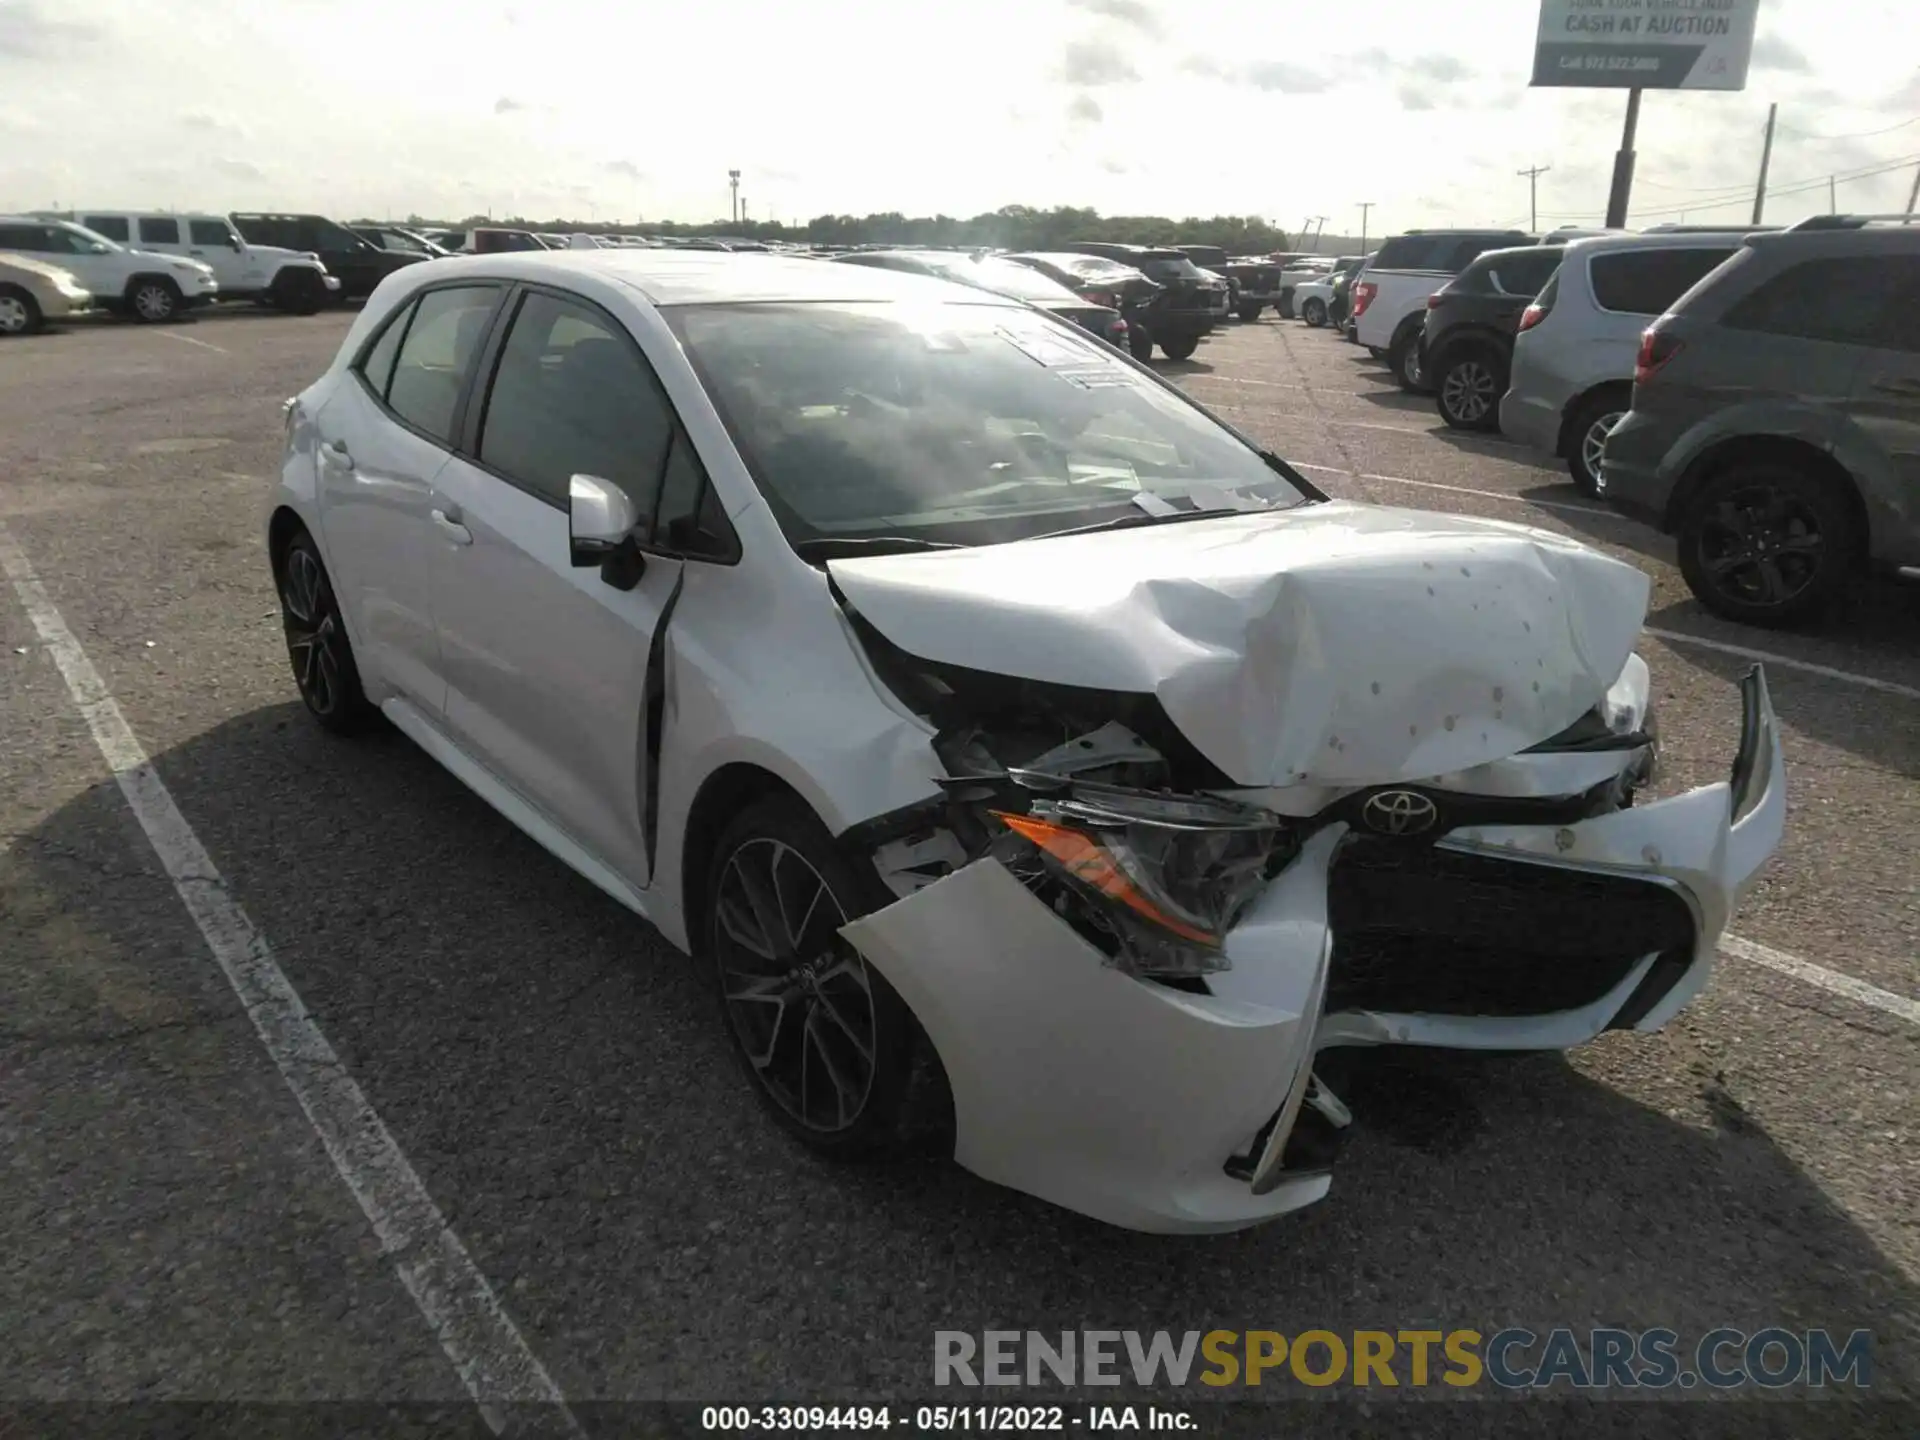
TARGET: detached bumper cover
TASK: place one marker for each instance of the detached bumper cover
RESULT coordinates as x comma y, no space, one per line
1138,1104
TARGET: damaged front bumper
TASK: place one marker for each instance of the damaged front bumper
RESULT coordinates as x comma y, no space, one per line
1172,1109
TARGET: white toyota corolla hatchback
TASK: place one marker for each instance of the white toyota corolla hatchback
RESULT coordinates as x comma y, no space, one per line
1022,751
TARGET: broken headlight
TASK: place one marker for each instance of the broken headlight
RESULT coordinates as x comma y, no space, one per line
1160,878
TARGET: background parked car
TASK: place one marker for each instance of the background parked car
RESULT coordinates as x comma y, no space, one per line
1188,305
1466,343
400,239
151,288
1300,272
32,293
1254,283
999,276
359,263
1102,282
285,279
1323,300
1775,426
1390,304
1573,360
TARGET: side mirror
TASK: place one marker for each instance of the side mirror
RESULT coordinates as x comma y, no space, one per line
235,243
601,518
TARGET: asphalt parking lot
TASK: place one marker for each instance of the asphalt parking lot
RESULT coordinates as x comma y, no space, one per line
559,1083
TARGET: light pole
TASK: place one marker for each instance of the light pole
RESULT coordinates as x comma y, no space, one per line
1365,206
733,180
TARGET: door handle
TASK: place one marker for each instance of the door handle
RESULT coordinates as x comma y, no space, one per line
336,454
451,526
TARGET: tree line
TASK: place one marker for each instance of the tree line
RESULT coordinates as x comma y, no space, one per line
1012,227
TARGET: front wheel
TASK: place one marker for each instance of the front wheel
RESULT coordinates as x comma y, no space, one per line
299,294
1769,544
1467,388
1587,443
1139,341
154,302
1180,347
317,645
19,312
1314,312
827,1043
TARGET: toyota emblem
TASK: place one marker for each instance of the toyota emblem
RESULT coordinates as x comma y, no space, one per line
1399,812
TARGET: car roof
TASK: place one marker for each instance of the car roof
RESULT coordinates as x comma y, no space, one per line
1691,240
707,277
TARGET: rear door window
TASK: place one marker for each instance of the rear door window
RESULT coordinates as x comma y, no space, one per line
159,230
1647,282
114,227
1850,300
437,356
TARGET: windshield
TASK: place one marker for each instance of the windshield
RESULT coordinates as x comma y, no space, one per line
92,236
956,423
1003,277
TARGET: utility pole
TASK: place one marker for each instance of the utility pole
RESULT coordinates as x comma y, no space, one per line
1623,165
1833,204
733,180
1322,221
1913,198
1766,158
1365,206
1533,175
1305,226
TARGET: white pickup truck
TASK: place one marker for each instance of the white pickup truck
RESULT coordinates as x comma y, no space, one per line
1390,300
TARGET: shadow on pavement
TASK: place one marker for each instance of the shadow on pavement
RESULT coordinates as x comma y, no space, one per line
562,1083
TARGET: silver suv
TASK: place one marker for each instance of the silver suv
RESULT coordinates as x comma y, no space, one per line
1573,358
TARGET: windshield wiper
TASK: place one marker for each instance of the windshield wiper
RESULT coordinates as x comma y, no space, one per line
848,547
1142,518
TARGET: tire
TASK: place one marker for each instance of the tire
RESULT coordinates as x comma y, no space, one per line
1283,307
827,1044
1314,312
1770,543
19,312
1403,358
1468,383
1587,436
317,644
1376,352
1180,347
1139,341
1250,309
298,293
153,300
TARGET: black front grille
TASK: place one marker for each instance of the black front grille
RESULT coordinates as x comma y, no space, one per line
1422,930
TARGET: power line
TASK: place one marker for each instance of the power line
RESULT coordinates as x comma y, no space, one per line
1857,135
1741,195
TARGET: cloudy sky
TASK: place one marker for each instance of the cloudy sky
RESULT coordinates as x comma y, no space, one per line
612,109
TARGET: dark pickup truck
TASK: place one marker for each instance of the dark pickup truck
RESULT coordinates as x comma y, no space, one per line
1185,309
1254,283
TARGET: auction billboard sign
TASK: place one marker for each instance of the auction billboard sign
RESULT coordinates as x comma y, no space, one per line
1648,44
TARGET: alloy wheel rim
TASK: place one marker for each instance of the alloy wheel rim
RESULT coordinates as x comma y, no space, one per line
1316,312
1593,447
13,315
1410,366
153,302
798,996
1468,390
1761,546
313,633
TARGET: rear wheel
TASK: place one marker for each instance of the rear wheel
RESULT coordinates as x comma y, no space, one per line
1403,356
1587,439
1769,543
828,1044
1314,312
1180,347
1250,309
19,312
1376,352
317,645
298,292
1139,341
1468,383
154,301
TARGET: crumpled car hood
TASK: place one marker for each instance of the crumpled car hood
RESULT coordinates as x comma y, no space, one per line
1331,644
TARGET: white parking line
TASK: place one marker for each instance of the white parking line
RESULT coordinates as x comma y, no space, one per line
1898,1006
1866,682
465,1314
1506,495
189,340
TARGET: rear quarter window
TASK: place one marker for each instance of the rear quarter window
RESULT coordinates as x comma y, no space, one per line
1647,282
1845,300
